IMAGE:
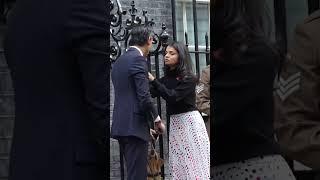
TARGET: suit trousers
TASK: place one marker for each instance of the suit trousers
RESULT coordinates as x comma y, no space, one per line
136,154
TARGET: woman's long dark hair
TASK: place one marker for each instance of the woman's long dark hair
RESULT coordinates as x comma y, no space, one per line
184,66
239,23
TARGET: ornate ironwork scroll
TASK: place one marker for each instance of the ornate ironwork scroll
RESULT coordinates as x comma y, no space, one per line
120,29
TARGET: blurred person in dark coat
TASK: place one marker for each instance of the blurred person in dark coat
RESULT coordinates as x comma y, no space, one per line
203,97
244,68
57,53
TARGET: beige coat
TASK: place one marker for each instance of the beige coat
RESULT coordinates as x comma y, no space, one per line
297,99
203,96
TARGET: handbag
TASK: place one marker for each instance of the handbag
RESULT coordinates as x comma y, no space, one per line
154,163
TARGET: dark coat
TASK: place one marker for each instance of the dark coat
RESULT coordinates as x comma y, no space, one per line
203,96
56,51
133,107
243,104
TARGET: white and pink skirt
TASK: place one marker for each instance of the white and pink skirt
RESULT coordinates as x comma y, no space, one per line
189,147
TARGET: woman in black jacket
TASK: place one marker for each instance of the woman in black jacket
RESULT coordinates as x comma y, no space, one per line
189,149
244,70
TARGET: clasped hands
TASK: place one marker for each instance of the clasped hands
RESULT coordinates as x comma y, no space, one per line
159,128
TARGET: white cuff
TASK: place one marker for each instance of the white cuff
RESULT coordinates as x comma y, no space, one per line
157,119
204,114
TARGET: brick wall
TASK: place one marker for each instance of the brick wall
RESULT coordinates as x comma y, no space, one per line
159,10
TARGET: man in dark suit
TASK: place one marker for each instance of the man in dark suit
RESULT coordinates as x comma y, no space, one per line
134,111
56,51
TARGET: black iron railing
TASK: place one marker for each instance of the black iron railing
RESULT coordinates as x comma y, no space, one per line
313,5
120,31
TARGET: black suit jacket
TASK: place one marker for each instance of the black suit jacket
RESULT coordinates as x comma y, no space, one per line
133,103
56,51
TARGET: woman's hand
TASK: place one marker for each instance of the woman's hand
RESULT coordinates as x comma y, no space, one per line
151,78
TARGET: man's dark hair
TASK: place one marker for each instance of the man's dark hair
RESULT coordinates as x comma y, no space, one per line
139,35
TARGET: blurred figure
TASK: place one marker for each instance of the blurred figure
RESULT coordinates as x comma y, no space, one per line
298,96
189,148
203,97
203,103
56,51
244,69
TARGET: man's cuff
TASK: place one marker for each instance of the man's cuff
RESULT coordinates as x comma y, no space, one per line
204,114
157,119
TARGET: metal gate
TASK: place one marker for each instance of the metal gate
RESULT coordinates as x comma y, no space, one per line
120,29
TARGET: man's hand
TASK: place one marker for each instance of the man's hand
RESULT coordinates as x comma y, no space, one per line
159,127
151,77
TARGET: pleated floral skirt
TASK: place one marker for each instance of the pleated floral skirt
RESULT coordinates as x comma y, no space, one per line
271,167
189,147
